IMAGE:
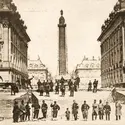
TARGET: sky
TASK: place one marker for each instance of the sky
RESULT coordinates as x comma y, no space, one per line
83,18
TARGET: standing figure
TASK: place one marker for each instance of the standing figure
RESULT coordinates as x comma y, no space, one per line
41,89
70,83
36,107
101,110
51,86
27,107
75,108
94,86
16,112
94,110
67,113
62,89
118,111
14,88
38,84
47,88
90,86
77,81
85,107
72,89
55,108
44,108
107,110
22,111
75,85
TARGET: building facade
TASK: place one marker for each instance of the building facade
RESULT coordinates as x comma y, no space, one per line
37,69
112,41
13,43
88,69
62,46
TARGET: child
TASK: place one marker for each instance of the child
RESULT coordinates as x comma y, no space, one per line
67,114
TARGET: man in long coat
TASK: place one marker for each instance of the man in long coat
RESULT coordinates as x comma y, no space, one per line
118,111
44,108
75,108
16,112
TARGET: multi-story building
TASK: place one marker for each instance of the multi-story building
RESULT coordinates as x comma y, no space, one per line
37,69
13,43
112,40
88,69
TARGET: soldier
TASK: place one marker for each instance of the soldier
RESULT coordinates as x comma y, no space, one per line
94,86
90,86
101,110
47,88
36,107
77,81
27,107
75,108
75,85
44,108
72,90
38,84
94,110
85,107
22,111
55,108
41,89
118,112
14,89
62,89
107,110
67,113
70,83
16,112
51,86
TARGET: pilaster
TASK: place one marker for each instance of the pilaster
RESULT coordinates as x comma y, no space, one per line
5,23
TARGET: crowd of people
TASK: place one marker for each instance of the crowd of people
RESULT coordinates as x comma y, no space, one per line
99,110
58,86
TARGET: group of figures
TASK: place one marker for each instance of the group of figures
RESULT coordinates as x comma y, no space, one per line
93,87
23,112
60,86
25,84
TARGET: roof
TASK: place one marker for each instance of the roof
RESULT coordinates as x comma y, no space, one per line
89,64
36,64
